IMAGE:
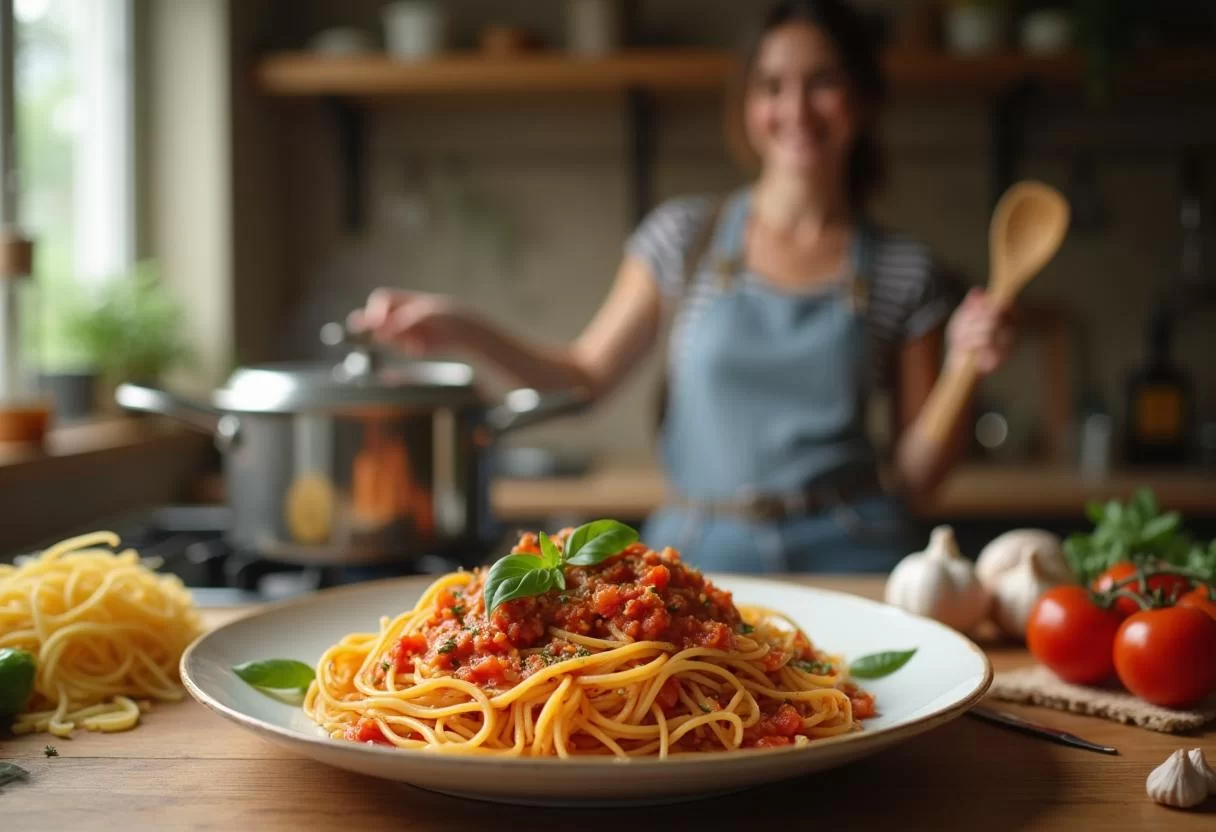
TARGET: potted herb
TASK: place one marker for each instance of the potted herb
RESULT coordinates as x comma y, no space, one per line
67,371
1105,32
132,328
976,27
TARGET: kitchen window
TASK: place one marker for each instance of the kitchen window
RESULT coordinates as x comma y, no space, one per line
72,89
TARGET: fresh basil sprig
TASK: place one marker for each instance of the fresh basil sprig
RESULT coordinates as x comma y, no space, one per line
878,665
276,675
523,576
10,772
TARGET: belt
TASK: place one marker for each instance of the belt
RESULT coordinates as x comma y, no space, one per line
773,507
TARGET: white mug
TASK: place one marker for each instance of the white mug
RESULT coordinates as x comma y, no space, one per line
593,27
414,29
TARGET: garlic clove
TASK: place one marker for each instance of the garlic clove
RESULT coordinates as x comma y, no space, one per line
943,545
1016,592
1006,552
939,583
1200,763
1177,782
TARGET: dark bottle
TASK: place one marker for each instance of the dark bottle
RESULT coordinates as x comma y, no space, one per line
1159,403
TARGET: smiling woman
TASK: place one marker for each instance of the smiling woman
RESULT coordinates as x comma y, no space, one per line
606,647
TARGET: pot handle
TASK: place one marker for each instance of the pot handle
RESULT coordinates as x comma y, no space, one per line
526,407
151,400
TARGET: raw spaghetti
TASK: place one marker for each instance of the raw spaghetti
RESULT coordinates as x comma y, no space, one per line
106,632
638,656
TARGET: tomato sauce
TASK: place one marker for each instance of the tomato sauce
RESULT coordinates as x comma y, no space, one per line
640,595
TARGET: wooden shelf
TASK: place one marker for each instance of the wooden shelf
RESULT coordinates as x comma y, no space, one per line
304,74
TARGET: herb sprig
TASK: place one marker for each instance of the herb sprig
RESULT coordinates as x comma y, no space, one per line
1137,531
10,772
283,679
878,665
524,576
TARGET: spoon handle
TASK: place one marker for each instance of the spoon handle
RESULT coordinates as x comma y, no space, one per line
948,398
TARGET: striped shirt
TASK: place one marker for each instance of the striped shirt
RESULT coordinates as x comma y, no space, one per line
908,290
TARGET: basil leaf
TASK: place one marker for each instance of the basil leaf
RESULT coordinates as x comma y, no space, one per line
878,665
10,772
598,541
276,674
550,554
519,576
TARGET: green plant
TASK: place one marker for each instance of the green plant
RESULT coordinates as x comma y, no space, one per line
131,327
1140,533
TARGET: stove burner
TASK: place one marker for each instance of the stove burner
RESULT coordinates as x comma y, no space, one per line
188,541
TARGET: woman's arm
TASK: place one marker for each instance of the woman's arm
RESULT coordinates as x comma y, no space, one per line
978,327
622,331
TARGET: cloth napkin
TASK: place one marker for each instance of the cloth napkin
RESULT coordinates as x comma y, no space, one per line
1039,686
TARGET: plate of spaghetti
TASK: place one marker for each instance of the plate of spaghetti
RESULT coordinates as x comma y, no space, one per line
588,667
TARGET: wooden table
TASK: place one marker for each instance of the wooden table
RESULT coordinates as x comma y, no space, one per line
185,768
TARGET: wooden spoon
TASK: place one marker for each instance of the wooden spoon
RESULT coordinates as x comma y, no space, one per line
1027,229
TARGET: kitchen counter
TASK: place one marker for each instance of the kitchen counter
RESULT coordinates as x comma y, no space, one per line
185,767
975,491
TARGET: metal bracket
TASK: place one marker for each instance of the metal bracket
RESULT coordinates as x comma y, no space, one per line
640,126
1008,118
351,124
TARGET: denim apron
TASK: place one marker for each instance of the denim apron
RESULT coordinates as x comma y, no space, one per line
767,395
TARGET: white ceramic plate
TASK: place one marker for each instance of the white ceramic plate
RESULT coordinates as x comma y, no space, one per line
948,675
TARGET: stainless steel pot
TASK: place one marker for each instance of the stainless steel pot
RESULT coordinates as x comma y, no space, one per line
359,462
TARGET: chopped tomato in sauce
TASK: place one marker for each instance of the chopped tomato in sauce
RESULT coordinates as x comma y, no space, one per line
669,695
777,728
366,730
638,595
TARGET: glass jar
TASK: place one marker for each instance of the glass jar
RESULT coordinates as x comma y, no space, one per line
24,412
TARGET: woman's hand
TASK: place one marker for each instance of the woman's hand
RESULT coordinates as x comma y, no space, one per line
980,328
416,322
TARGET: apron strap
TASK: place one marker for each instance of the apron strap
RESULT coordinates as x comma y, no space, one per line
729,239
859,279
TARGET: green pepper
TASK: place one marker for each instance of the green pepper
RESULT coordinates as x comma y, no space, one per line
17,669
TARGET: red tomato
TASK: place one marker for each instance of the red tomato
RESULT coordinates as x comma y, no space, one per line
1199,598
1171,586
1168,656
1072,635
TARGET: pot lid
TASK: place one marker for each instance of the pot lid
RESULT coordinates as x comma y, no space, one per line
301,386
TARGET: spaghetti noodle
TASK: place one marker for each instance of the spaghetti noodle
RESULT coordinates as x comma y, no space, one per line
637,656
106,631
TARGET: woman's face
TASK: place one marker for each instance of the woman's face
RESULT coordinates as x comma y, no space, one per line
800,112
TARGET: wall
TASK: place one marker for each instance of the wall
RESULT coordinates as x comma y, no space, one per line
520,208
183,54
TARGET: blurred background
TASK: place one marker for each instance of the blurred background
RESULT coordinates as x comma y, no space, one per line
207,182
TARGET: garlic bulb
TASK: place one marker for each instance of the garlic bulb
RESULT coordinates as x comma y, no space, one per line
1177,782
1004,553
940,583
1201,765
1016,590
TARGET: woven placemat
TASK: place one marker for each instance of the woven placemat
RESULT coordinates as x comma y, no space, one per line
1038,686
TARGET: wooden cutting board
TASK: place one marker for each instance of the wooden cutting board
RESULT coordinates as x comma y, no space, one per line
185,768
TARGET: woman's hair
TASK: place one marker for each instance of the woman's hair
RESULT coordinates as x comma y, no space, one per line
856,41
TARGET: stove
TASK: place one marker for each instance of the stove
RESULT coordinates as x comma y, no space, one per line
188,541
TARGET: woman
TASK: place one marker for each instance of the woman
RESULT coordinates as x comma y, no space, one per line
789,306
